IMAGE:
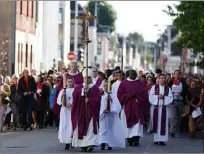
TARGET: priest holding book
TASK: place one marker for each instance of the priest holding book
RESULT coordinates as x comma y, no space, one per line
160,97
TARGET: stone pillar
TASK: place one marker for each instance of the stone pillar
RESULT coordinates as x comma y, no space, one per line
6,36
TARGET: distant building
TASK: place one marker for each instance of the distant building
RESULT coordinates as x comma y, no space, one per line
25,35
101,58
53,31
168,53
17,33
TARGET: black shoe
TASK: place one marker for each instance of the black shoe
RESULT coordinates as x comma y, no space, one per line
24,128
173,135
40,127
103,145
136,141
110,148
84,149
130,142
67,147
156,143
90,149
136,144
29,129
162,143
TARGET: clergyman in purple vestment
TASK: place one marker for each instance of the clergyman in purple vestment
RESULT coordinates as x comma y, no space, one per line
85,123
132,96
98,81
78,81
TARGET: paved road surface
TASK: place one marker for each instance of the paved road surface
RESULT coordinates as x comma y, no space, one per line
45,141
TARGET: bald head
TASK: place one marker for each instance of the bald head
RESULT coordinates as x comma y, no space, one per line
73,67
94,72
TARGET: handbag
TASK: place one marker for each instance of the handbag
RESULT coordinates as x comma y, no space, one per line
6,100
16,98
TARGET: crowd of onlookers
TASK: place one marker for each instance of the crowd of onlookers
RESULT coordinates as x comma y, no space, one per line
27,100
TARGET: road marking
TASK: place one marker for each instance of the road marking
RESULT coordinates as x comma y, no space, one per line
4,134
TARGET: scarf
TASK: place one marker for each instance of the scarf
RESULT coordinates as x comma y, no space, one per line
176,82
156,111
148,87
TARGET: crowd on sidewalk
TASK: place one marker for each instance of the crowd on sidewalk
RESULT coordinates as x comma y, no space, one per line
29,100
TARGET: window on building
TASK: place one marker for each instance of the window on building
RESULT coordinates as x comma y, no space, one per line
60,51
31,57
27,14
26,56
99,46
21,7
21,56
32,9
60,15
19,52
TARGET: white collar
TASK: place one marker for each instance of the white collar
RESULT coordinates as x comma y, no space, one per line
95,79
132,80
73,74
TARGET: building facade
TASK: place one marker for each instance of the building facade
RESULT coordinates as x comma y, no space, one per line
53,34
25,35
17,36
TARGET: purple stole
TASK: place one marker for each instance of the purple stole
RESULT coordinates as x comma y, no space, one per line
98,82
156,110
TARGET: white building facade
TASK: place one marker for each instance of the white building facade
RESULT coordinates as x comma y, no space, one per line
52,33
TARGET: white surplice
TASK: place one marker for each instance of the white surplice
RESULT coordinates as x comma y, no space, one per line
65,126
90,138
137,129
111,131
153,99
115,87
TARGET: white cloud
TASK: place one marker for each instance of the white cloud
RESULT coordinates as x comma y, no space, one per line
141,16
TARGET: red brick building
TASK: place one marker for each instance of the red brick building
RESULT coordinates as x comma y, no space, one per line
17,35
25,35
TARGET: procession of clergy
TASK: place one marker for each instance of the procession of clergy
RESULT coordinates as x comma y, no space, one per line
97,114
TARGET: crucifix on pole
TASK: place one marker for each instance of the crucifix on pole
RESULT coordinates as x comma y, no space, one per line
86,18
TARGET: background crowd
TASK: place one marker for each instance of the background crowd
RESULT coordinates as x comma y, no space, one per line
28,100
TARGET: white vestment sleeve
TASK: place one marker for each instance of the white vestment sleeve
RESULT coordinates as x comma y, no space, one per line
168,99
113,91
59,98
101,86
115,105
153,99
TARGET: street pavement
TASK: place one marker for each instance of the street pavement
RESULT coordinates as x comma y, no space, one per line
45,141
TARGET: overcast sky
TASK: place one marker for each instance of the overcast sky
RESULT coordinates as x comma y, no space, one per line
141,16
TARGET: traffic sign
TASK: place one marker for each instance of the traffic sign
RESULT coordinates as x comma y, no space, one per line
71,56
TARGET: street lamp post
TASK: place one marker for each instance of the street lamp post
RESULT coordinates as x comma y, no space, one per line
76,29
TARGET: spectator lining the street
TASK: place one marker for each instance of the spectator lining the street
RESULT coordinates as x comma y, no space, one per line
27,88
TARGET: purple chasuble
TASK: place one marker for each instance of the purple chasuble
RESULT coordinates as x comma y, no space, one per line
133,106
78,81
156,111
78,110
98,82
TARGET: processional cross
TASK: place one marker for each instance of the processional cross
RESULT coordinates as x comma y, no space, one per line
87,17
